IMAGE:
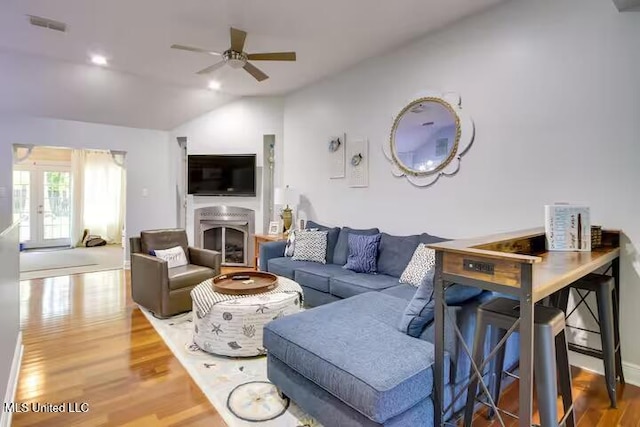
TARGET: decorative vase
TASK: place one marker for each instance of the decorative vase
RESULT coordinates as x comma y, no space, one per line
287,218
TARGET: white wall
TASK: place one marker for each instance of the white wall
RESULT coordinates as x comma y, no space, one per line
148,163
236,128
554,91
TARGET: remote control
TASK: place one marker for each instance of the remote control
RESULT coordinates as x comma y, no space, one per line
240,278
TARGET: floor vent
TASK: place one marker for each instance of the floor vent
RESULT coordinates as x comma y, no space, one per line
50,24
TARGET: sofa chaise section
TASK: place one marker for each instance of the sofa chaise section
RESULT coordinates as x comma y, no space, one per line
345,362
353,350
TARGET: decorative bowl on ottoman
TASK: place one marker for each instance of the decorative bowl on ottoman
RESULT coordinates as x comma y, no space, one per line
232,324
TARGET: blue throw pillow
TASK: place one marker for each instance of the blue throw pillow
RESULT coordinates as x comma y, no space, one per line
363,253
420,312
341,251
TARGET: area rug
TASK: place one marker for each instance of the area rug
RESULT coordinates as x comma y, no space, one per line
35,264
238,388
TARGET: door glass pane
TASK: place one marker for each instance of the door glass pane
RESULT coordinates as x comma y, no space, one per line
57,205
21,203
213,239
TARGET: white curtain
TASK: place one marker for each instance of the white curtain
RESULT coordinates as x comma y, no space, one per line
77,196
103,204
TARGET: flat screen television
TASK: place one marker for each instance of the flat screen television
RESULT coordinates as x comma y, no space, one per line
222,175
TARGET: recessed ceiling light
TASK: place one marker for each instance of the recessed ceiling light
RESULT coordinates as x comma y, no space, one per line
99,60
214,85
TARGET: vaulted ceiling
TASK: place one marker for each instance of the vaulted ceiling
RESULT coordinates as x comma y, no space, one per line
147,84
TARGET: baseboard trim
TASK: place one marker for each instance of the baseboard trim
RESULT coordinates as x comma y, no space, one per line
631,370
12,384
127,265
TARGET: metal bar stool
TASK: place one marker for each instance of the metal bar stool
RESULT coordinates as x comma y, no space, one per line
608,321
551,358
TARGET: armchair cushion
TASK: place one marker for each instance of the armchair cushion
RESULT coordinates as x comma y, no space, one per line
189,275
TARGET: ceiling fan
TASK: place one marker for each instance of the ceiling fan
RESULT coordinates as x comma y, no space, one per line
237,58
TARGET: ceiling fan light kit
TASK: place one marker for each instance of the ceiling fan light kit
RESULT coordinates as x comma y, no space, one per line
236,58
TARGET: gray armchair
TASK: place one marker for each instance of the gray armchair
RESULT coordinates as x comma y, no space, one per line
162,290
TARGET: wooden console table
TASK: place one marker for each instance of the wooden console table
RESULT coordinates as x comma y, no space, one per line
516,264
263,238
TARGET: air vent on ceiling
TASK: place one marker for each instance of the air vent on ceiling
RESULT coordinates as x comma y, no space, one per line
39,21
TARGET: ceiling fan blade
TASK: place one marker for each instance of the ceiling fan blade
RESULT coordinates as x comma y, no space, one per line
272,56
255,72
194,49
211,68
237,39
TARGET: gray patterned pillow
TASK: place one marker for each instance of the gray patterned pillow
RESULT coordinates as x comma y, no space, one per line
422,261
310,246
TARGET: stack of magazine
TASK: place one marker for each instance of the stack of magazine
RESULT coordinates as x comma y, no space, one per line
567,227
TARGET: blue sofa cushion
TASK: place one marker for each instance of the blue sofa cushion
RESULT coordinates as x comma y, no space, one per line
317,276
357,283
332,237
339,347
363,253
341,251
285,266
420,311
395,252
269,250
331,411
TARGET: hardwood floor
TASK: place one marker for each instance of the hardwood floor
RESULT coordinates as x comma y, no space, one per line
590,399
87,342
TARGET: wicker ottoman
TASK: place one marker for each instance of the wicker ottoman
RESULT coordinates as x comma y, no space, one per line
233,326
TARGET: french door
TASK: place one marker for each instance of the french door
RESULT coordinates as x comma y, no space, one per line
42,203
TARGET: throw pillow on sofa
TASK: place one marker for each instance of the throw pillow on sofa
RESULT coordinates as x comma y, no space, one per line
291,244
422,261
332,236
420,312
341,251
363,253
310,246
175,257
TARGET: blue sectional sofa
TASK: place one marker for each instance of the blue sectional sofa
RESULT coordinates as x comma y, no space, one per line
346,362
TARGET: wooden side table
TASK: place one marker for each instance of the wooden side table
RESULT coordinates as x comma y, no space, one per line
263,238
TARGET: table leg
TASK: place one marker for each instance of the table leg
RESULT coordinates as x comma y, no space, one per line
526,346
438,286
615,272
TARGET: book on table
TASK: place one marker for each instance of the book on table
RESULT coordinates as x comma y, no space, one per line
567,227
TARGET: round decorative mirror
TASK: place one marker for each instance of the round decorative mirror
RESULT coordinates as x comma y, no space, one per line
428,137
425,136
